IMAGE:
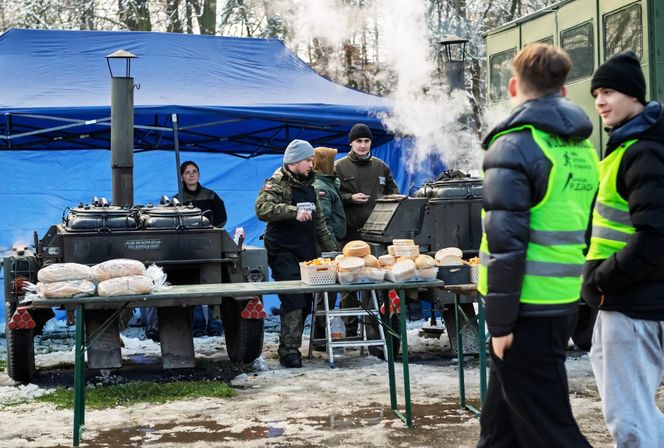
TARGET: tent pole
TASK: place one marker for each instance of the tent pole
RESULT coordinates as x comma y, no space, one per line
176,144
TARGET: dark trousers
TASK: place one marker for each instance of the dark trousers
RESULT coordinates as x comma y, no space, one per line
527,403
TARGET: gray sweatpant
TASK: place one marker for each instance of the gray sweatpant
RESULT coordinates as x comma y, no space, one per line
627,358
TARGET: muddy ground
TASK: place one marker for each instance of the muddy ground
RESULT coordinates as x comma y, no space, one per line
275,407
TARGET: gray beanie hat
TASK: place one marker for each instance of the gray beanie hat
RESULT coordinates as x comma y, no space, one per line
298,150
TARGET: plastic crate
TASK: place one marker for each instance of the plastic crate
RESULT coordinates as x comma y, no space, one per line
454,275
320,274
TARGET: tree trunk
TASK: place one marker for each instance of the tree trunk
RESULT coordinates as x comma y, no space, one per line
173,24
208,19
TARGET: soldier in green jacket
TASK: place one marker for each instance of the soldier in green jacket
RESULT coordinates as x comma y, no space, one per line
295,231
364,178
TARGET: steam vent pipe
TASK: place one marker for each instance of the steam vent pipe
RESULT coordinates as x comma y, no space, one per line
122,135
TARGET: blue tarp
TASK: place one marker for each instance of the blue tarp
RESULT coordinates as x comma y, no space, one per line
239,85
233,95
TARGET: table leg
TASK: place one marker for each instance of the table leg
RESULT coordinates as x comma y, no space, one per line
404,360
459,342
79,375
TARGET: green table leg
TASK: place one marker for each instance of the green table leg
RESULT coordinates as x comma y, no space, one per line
79,376
481,336
459,342
404,359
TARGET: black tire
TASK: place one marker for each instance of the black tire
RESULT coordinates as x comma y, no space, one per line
244,337
372,333
20,352
583,331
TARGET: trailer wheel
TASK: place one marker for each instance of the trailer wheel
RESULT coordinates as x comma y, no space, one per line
20,352
583,331
244,337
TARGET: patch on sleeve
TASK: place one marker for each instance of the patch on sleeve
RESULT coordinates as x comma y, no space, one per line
267,187
321,193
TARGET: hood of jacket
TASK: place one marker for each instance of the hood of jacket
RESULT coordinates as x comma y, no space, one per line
324,160
553,114
648,125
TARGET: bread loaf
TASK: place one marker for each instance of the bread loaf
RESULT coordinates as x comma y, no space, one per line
120,286
356,248
370,261
425,262
119,267
59,272
351,264
66,288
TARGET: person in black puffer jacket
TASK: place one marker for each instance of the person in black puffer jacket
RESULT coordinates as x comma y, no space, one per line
540,178
207,200
624,274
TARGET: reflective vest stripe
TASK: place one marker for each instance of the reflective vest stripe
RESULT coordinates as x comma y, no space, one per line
552,237
613,214
550,269
610,234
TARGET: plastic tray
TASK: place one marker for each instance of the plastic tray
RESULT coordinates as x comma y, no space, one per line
373,275
421,275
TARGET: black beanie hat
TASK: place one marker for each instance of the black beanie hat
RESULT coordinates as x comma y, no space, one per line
621,72
359,131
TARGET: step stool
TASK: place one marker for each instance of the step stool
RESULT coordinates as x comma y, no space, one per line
352,341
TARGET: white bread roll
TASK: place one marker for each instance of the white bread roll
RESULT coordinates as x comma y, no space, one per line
351,264
390,251
371,262
403,242
403,267
448,251
387,260
356,248
425,262
450,260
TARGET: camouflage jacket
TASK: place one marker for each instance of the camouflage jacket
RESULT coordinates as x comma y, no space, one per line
274,204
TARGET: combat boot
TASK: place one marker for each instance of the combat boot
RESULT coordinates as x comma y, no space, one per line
290,341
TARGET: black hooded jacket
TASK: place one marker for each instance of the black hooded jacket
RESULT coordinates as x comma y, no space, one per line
632,280
516,176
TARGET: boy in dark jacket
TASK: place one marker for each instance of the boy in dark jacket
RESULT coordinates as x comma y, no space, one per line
624,275
540,179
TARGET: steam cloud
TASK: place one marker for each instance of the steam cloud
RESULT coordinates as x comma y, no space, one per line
423,110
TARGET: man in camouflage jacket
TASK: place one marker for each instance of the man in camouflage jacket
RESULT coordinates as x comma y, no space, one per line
295,229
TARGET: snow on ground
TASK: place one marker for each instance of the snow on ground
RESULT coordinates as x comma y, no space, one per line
274,406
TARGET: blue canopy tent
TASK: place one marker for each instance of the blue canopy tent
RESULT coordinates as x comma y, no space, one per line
234,98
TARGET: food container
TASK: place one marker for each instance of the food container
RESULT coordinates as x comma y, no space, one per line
367,275
454,275
318,274
417,275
